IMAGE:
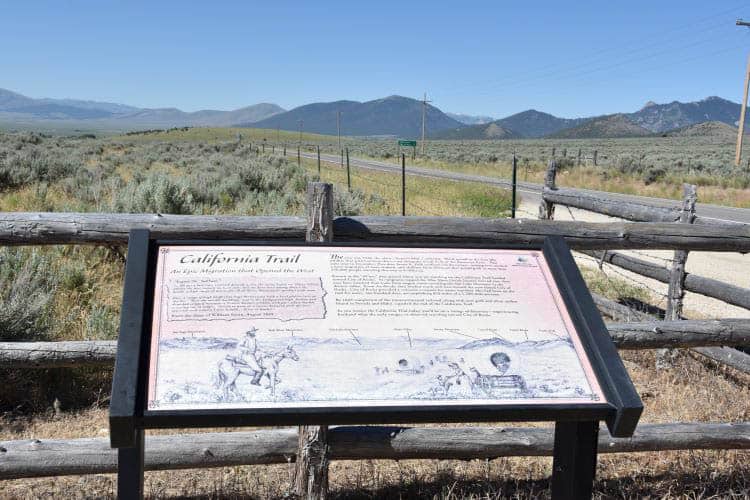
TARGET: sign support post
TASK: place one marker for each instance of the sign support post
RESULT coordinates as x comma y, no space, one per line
574,461
403,184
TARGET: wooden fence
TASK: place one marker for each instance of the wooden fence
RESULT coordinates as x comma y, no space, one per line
679,281
36,458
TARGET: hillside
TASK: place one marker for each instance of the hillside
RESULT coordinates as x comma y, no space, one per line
708,129
533,123
485,131
17,108
171,117
664,117
394,116
610,126
527,124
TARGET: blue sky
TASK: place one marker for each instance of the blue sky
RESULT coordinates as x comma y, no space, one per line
494,58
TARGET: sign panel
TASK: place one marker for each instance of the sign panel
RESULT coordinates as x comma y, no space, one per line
408,143
263,327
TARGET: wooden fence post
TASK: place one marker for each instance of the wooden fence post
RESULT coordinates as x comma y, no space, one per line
578,164
676,289
596,154
547,209
311,467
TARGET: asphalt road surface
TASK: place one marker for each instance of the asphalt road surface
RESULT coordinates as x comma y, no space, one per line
531,191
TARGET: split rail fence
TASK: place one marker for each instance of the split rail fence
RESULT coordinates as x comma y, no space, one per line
36,458
675,276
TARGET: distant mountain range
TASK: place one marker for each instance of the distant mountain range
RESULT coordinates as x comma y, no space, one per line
17,108
617,125
390,116
651,119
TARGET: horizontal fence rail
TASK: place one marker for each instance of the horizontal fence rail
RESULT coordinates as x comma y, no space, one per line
39,228
62,354
38,458
731,294
641,335
600,203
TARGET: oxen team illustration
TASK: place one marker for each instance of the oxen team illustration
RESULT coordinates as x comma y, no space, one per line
451,376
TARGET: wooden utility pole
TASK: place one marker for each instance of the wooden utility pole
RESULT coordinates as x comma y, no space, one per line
741,128
424,114
338,126
300,133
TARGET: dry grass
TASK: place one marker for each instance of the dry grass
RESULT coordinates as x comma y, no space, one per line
691,391
424,196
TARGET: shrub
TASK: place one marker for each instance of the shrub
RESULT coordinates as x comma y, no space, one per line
102,323
348,203
27,286
654,175
155,194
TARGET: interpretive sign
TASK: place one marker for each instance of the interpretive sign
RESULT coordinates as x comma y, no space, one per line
234,333
304,326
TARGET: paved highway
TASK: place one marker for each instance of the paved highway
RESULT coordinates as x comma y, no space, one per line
532,190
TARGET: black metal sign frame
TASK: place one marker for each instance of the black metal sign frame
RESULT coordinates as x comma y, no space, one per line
576,427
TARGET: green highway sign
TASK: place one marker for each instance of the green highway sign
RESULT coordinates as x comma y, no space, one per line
408,143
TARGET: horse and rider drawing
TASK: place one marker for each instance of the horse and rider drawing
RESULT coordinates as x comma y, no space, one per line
250,361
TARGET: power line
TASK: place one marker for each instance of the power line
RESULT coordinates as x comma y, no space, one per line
581,77
424,112
575,73
599,55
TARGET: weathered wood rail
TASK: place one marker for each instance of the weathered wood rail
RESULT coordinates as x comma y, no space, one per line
640,335
39,458
607,205
63,354
731,294
615,207
36,228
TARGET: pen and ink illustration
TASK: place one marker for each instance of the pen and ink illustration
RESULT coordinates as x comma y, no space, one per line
255,369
